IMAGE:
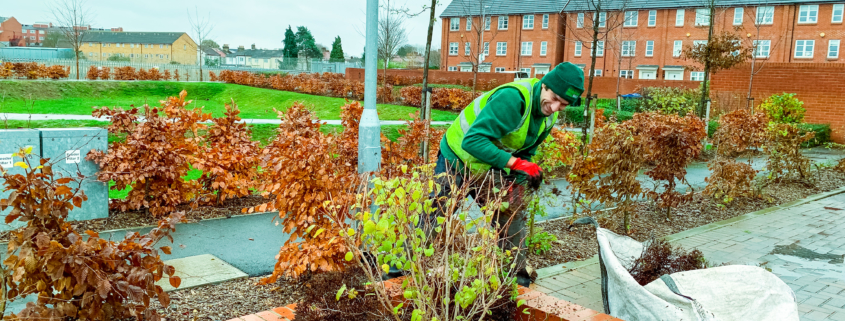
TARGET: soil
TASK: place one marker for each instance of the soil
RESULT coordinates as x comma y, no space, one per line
229,300
579,243
121,220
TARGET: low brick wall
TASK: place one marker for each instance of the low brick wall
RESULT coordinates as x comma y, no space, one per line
605,87
821,86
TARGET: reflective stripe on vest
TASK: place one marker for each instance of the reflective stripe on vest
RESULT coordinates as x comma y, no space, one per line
512,142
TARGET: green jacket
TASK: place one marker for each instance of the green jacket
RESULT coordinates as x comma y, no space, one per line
501,116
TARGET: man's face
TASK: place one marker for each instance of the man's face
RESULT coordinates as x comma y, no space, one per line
551,102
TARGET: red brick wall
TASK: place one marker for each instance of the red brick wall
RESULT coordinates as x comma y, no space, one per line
434,75
605,87
820,86
11,28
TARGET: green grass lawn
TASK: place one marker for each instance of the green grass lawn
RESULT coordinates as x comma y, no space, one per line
71,97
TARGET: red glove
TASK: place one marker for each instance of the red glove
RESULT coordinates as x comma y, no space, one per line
526,167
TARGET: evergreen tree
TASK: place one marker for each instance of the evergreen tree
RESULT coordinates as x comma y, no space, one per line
306,44
337,51
290,49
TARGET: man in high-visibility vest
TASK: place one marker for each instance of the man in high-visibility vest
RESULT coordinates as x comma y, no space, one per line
501,130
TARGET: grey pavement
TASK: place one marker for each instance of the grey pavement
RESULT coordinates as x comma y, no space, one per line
802,242
7,116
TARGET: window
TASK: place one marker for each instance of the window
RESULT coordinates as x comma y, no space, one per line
31,37
469,23
631,18
528,22
738,13
104,54
454,23
833,49
503,22
527,48
626,74
543,46
90,54
702,17
765,15
501,48
90,44
131,45
161,46
486,48
808,14
499,69
804,48
40,32
577,49
696,76
146,55
453,68
677,47
185,47
837,13
602,19
466,49
526,70
696,43
649,48
761,48
597,72
580,21
600,48
546,21
453,48
629,48
487,23
652,18
679,18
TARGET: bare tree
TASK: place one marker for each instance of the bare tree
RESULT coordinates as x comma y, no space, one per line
598,19
761,45
201,27
480,35
73,18
391,34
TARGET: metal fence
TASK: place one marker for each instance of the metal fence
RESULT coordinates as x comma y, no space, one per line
188,72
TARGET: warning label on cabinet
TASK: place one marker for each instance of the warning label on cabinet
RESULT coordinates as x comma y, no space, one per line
6,161
72,157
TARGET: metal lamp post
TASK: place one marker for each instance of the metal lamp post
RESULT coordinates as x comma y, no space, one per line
369,131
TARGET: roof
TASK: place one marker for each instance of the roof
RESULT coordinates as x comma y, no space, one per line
462,8
575,6
131,37
259,53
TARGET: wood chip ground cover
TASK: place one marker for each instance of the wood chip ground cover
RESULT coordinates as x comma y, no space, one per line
580,244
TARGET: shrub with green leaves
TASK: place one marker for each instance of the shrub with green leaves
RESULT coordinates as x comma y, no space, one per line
540,243
784,108
670,100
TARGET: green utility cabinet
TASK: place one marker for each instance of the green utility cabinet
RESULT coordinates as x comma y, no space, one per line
11,141
67,148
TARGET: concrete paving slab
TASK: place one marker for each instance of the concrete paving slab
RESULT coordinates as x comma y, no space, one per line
199,270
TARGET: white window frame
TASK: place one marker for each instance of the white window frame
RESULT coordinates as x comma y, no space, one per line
454,24
599,48
677,47
765,15
546,21
698,42
452,68
739,14
837,13
602,19
501,48
808,14
502,22
453,48
631,18
629,48
627,74
597,73
544,46
527,48
486,49
528,22
679,18
579,21
578,48
469,23
652,18
702,17
696,76
762,48
649,48
467,49
833,48
487,22
499,69
804,45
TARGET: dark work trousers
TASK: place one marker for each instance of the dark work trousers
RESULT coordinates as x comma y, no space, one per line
511,222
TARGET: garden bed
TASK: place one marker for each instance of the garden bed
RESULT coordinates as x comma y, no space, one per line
580,243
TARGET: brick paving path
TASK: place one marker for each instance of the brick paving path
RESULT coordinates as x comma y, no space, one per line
808,241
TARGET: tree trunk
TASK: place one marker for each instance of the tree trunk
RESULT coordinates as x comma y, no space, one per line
77,63
590,83
705,89
426,114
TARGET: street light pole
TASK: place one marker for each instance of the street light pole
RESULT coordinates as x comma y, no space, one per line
369,131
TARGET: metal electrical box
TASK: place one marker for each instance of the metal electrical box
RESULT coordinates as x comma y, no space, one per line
66,148
11,141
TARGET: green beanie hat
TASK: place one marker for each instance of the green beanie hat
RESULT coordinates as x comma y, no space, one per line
567,81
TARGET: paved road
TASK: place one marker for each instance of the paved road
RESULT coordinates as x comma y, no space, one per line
4,116
804,245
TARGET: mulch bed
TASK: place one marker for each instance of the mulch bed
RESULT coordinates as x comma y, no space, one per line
121,220
579,243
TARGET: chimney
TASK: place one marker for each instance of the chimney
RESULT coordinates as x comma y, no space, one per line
226,47
240,48
253,46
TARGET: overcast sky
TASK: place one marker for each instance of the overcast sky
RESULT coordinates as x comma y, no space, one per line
240,22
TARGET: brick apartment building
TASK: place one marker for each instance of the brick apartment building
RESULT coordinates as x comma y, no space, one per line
142,47
35,33
10,32
533,35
